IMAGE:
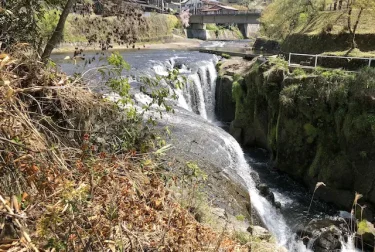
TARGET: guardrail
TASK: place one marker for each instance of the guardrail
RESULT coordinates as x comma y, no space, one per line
317,56
256,11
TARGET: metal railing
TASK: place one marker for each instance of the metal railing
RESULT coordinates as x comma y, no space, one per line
317,56
231,13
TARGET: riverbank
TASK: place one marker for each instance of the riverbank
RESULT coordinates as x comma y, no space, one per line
175,43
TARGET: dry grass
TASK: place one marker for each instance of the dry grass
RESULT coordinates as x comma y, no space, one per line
353,53
339,21
60,190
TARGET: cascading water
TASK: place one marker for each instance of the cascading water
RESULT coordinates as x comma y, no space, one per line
199,97
199,90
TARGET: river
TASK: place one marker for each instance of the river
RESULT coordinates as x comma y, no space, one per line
194,121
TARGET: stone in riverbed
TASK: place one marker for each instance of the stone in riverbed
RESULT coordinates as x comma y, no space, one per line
277,204
327,234
328,241
259,232
255,177
264,190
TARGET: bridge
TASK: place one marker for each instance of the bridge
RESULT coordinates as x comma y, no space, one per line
239,17
247,21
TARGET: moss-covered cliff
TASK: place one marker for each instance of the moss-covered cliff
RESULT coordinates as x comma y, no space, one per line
318,126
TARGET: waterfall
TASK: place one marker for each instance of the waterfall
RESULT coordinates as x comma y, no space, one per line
198,96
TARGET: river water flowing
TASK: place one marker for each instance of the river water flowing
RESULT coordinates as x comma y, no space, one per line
195,120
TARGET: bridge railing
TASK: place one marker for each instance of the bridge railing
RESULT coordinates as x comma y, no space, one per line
230,13
329,61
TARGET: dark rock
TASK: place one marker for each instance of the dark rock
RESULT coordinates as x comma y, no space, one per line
341,198
328,241
236,133
266,45
178,65
326,234
256,178
224,104
271,197
250,229
264,190
277,204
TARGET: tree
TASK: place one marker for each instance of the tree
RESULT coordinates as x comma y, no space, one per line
360,6
20,21
282,16
57,34
184,17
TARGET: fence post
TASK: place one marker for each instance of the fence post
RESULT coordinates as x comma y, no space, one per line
369,62
290,55
316,60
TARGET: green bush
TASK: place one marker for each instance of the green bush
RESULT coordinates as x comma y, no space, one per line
212,27
225,56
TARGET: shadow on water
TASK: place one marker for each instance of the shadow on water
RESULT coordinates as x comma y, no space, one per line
292,195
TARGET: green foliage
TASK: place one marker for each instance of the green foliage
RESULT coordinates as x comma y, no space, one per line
116,60
47,24
311,132
242,237
195,172
283,16
240,217
237,32
114,79
152,86
365,227
363,154
303,18
277,64
19,21
237,92
212,27
288,95
299,72
159,93
226,56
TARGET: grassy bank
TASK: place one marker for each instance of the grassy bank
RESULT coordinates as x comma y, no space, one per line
83,29
313,31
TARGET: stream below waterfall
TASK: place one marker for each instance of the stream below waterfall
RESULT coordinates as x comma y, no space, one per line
195,119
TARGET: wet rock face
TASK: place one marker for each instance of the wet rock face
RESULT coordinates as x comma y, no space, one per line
325,235
298,132
224,107
264,190
260,232
328,241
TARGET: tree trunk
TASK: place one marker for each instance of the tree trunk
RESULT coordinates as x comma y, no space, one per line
350,19
354,44
57,34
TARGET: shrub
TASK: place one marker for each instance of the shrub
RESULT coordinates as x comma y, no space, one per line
225,56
